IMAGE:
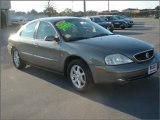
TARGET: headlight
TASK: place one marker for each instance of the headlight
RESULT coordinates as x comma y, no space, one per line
117,59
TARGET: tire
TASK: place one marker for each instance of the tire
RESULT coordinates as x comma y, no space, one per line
111,30
80,75
17,61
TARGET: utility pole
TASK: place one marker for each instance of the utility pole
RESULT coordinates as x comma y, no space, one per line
108,5
72,6
48,3
84,5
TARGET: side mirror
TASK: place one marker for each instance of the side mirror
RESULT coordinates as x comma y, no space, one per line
51,38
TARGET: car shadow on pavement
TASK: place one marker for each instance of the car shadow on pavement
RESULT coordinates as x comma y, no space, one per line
135,30
139,23
139,98
140,28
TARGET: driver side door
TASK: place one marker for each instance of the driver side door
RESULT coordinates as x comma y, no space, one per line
48,52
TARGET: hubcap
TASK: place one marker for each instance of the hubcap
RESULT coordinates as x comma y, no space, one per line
78,76
16,58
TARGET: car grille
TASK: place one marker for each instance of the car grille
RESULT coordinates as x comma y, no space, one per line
144,56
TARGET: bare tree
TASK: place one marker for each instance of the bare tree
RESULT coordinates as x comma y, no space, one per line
50,9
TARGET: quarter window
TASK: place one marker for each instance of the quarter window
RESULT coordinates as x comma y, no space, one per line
44,30
29,30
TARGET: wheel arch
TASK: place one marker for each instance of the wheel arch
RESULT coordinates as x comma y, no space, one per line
71,58
13,48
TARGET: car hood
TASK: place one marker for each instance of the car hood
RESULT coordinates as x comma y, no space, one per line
116,44
128,20
104,23
121,21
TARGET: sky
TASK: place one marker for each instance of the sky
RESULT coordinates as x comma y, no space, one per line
39,6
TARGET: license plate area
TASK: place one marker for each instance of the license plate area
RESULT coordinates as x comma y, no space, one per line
152,69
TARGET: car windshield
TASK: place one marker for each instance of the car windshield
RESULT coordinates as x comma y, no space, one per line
102,19
124,16
111,17
79,29
115,18
97,19
120,17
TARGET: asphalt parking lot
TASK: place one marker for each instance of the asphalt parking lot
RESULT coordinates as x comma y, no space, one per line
33,93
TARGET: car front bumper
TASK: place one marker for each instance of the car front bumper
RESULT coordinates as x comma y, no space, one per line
122,73
130,24
120,25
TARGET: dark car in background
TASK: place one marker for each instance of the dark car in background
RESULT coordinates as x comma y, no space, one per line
115,21
82,50
102,22
128,20
157,16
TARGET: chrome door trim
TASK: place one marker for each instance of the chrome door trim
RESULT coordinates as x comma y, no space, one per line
27,53
39,56
44,58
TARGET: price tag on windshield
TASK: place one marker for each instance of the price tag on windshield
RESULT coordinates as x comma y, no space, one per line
64,26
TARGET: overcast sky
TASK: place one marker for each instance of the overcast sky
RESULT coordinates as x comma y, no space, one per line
78,5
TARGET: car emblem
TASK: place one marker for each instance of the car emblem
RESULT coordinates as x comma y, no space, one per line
147,55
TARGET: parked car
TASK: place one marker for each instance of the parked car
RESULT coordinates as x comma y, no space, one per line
18,20
116,22
82,50
128,20
156,16
102,22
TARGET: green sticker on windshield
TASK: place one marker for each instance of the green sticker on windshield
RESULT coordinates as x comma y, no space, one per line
62,25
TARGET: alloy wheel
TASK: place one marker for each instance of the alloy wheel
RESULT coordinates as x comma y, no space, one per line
78,76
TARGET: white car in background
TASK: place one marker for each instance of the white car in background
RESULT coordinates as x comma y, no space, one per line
18,20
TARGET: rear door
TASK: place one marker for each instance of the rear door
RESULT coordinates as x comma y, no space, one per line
26,43
47,52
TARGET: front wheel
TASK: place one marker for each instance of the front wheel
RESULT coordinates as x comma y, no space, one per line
111,29
80,76
17,61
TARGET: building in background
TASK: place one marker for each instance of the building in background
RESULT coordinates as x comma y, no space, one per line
131,10
4,9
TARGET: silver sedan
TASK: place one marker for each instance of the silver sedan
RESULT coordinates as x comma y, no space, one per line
82,50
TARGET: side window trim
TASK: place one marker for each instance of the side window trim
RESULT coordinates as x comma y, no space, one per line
36,30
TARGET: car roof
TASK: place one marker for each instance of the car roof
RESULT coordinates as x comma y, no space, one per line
109,15
93,16
55,19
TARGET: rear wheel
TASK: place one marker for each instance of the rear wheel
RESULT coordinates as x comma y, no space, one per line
17,61
80,76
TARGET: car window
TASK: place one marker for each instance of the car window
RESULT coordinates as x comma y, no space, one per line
109,18
45,29
96,20
102,19
29,30
114,18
